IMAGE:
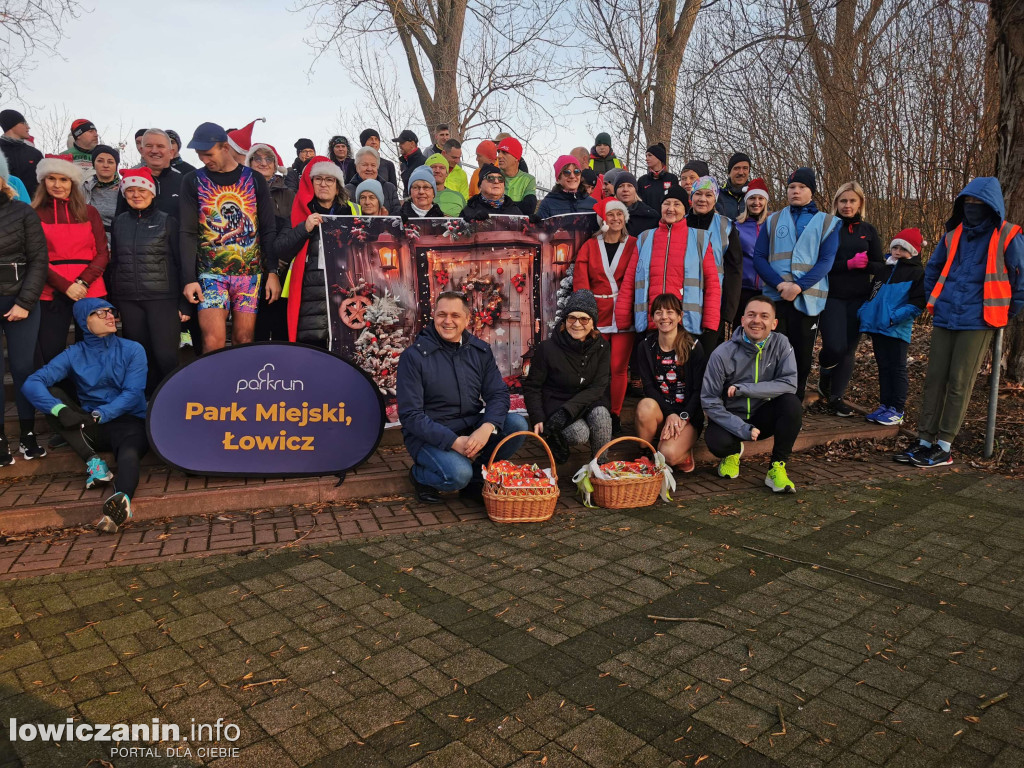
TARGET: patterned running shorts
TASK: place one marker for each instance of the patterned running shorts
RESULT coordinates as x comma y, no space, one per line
239,293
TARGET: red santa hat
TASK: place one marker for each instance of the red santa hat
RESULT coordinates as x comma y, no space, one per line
137,177
609,204
909,239
240,139
755,188
63,165
257,146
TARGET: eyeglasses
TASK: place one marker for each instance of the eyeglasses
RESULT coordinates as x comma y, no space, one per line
103,314
572,171
495,178
324,180
262,160
578,320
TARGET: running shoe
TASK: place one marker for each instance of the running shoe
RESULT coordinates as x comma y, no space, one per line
778,480
98,472
730,465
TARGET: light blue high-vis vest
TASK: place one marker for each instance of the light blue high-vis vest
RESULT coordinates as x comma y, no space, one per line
719,231
792,258
693,282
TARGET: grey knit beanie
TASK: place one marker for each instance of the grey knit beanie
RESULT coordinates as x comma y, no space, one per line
582,301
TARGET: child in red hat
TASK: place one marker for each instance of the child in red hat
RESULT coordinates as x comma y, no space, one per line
897,297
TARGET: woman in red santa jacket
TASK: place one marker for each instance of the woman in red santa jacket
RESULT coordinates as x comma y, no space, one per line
600,266
77,245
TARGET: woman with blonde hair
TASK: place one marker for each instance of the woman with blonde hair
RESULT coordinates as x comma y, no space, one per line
849,286
748,225
77,245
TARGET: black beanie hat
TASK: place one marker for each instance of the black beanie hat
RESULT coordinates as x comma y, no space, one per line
10,118
658,150
368,133
678,193
486,169
140,133
699,167
103,149
582,301
302,144
589,177
174,136
803,175
738,157
624,178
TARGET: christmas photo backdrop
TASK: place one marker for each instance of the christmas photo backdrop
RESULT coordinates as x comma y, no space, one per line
383,278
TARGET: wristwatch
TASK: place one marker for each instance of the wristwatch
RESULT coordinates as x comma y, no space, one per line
96,416
82,282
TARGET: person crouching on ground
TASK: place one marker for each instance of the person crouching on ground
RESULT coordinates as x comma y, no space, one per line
447,434
671,367
109,374
566,390
749,391
897,297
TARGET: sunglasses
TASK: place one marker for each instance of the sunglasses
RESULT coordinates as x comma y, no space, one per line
572,172
495,178
577,320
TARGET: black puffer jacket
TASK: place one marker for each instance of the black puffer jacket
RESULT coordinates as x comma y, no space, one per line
312,327
22,243
22,159
144,262
569,374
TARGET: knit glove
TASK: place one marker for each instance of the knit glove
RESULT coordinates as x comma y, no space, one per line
535,219
557,421
69,418
859,261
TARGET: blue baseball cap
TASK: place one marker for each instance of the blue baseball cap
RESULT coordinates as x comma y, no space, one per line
207,136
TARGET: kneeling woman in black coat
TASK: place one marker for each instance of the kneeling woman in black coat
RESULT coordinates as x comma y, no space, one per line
671,367
566,391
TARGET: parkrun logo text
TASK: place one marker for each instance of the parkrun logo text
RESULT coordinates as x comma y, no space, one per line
265,383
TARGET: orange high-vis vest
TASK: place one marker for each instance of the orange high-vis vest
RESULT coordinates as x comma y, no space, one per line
997,292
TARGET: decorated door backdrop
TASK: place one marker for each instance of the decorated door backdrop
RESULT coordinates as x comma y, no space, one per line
383,279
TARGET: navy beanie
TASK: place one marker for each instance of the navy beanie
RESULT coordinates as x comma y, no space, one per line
624,178
803,175
582,301
103,149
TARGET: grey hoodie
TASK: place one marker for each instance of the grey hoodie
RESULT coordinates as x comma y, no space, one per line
757,376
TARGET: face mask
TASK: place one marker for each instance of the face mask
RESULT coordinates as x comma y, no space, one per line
975,214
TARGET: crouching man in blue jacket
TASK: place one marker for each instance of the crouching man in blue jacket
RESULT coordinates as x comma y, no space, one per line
110,378
749,392
453,404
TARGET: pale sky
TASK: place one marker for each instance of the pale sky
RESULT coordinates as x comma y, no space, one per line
126,68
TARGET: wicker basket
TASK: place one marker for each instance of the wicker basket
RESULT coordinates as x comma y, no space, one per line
522,505
625,493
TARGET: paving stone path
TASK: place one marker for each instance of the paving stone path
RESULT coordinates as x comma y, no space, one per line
476,645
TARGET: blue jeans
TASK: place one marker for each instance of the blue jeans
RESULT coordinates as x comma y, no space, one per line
451,471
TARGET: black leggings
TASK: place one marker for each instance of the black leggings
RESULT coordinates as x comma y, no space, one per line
125,436
271,319
21,336
55,317
801,330
155,325
840,334
780,417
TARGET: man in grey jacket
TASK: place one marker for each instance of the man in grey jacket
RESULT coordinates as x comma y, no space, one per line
749,392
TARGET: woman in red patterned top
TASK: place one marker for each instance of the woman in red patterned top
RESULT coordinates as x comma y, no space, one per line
671,367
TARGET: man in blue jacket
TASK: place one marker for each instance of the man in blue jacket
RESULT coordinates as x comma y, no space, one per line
110,378
453,404
974,281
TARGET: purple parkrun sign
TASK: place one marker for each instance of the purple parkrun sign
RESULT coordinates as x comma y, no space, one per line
264,410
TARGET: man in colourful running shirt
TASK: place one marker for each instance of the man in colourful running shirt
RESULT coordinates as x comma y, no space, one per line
227,240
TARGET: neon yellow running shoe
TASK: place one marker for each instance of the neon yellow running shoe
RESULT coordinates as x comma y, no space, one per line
778,480
730,465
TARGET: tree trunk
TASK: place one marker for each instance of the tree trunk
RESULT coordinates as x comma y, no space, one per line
1008,19
673,35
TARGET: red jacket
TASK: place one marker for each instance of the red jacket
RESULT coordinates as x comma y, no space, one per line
593,273
668,258
75,250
